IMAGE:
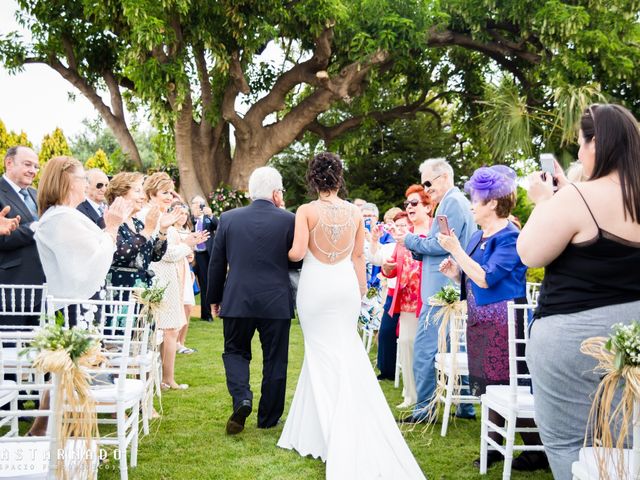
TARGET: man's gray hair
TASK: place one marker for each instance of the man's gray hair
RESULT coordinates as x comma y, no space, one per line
263,182
437,165
370,207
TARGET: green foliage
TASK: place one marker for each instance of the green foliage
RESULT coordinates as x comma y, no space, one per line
75,341
535,275
101,161
226,198
624,343
523,207
8,140
53,145
447,294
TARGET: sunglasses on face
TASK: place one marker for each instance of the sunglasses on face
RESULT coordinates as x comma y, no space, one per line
413,203
429,183
100,185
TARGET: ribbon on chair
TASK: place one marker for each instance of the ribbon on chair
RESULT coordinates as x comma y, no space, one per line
73,403
451,316
601,416
150,299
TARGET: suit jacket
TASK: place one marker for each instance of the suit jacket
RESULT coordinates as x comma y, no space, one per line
458,211
209,223
19,260
252,243
86,208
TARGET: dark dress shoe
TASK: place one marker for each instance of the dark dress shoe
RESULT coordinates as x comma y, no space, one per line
384,377
279,422
530,461
411,419
493,456
466,417
235,424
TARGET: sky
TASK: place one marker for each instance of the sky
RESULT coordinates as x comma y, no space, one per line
36,100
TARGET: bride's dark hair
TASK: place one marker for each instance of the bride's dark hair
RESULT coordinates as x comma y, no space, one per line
325,173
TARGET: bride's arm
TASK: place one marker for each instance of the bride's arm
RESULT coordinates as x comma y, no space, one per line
357,256
301,236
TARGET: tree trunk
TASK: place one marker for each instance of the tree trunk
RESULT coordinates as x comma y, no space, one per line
125,140
189,183
247,157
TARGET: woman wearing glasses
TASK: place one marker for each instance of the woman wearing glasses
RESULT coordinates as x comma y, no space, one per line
587,236
491,274
406,296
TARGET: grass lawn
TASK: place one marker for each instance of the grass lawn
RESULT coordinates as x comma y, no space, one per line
189,441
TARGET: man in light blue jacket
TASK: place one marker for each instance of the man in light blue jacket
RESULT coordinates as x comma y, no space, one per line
437,178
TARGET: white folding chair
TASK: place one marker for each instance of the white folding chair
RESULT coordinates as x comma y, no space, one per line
453,366
586,468
22,301
34,458
145,362
114,321
533,290
511,401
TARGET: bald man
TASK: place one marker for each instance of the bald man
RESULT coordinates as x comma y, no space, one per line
94,205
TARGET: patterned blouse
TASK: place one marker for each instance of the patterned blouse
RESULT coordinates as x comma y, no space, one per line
409,284
133,255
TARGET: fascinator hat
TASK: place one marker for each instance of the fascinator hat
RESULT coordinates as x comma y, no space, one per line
490,183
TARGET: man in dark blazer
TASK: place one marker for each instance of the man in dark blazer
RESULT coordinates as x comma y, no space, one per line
19,260
252,243
94,205
203,219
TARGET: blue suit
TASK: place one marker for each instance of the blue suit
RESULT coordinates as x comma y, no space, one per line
458,211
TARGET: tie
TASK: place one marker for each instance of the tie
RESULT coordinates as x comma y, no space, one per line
101,209
28,201
201,247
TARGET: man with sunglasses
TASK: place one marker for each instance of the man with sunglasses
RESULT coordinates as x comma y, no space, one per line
95,205
437,179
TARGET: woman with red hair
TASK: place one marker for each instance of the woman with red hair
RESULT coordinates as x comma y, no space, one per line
406,298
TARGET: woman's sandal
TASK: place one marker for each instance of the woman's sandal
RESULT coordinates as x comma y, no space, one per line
180,386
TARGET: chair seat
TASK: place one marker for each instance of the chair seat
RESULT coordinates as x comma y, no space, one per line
497,398
30,460
586,468
133,390
444,361
7,394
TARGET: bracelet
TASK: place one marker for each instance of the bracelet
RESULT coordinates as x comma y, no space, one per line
161,233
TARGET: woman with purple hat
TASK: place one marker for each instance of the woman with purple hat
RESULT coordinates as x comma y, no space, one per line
491,274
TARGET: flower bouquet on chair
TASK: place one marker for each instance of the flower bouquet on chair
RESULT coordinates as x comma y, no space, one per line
618,359
67,354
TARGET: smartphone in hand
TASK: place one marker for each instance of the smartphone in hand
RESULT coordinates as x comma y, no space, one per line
548,167
443,224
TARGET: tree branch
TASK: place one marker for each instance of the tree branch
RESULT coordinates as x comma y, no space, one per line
301,73
237,83
114,92
329,133
68,50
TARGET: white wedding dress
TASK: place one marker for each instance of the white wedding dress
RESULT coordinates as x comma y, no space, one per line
339,412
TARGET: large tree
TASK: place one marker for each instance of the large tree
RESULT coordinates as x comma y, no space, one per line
193,62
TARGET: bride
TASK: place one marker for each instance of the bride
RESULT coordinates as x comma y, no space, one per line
339,412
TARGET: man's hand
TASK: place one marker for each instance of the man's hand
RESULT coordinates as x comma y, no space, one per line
215,310
207,211
8,225
398,237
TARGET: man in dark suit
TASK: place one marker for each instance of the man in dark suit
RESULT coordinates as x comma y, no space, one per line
19,260
95,205
203,220
253,242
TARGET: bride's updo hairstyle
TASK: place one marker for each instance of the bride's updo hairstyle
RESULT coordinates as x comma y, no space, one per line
325,173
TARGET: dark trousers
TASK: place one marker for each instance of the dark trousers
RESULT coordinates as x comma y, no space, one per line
387,345
274,337
201,270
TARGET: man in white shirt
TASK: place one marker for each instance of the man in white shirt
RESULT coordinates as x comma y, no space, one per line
19,260
94,205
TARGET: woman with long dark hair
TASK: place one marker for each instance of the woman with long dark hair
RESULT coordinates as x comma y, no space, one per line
587,236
